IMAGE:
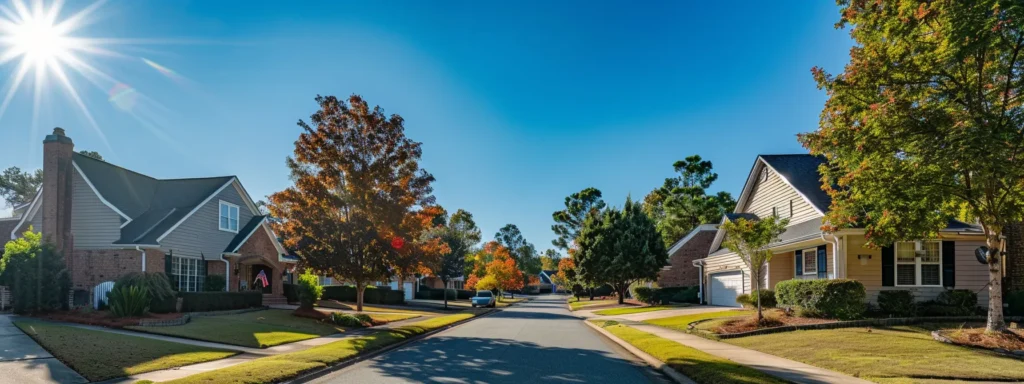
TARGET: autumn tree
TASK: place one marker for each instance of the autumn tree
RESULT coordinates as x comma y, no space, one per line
549,260
505,271
356,179
926,119
460,234
682,203
523,252
569,221
750,240
619,248
566,276
421,253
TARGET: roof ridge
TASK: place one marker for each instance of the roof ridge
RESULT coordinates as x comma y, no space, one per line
198,178
114,165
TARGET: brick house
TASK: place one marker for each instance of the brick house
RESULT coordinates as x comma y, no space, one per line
680,271
109,221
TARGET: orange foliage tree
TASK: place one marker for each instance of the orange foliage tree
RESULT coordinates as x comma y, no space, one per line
417,254
503,268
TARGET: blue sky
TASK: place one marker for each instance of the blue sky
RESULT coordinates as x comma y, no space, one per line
517,104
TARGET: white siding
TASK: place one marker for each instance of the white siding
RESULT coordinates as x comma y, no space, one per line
776,192
93,224
727,262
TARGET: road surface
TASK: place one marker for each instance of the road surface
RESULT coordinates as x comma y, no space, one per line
535,342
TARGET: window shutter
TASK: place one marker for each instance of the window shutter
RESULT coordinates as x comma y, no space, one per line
201,279
799,255
888,266
167,265
949,264
822,263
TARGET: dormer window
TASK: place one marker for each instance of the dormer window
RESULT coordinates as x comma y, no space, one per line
228,217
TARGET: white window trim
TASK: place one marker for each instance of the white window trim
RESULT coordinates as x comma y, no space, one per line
237,219
917,267
803,254
186,267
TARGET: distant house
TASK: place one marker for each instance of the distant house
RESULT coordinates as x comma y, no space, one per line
789,186
109,221
680,271
547,281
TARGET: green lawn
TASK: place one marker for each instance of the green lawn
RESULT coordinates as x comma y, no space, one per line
681,322
260,329
282,367
98,355
905,354
577,305
370,308
627,311
695,364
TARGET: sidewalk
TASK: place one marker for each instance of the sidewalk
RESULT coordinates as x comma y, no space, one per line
22,360
773,365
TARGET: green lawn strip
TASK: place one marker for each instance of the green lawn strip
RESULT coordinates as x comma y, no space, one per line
392,317
587,303
681,322
289,365
697,365
900,354
627,311
99,355
259,329
334,304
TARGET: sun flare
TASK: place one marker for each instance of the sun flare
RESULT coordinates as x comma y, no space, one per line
39,40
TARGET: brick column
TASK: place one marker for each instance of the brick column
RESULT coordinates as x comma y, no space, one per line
56,198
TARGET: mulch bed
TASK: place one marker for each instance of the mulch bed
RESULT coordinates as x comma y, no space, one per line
772,318
1011,340
103,318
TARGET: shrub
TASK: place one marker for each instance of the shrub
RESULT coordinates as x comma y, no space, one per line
743,299
1015,301
749,300
898,303
371,295
155,283
345,320
309,289
365,319
19,270
963,302
129,301
465,294
646,295
220,301
839,298
291,292
687,295
604,290
214,283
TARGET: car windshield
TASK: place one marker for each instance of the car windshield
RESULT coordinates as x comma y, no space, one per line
483,293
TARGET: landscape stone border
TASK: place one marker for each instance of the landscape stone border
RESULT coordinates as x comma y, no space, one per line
1016,354
836,325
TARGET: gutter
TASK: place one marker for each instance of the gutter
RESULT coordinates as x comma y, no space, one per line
138,248
227,273
835,255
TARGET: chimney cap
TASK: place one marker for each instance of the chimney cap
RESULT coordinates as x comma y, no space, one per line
57,136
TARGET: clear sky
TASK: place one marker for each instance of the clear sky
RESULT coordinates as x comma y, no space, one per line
517,104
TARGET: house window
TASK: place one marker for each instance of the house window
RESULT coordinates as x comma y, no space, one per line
228,217
919,263
810,256
186,273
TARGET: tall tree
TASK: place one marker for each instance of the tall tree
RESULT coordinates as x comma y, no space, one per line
569,221
460,234
927,118
421,253
549,261
523,252
750,240
505,271
356,178
18,187
682,203
619,248
566,276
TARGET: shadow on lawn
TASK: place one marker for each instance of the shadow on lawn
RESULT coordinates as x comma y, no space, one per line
480,360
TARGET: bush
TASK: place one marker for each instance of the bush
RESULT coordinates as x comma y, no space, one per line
214,283
465,294
365,319
371,295
19,270
899,303
129,301
163,298
309,290
646,295
345,320
604,290
749,300
840,298
962,302
743,299
687,295
220,301
291,292
1015,301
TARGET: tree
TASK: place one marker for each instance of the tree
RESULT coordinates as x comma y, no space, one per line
549,261
750,239
522,251
36,273
620,247
17,187
460,234
569,221
566,276
682,202
421,253
927,118
356,178
92,154
505,271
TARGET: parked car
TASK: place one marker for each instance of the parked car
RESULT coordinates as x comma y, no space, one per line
484,299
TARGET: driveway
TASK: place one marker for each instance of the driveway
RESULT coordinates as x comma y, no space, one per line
657,314
534,342
24,361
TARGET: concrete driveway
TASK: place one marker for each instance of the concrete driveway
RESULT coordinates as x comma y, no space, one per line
24,361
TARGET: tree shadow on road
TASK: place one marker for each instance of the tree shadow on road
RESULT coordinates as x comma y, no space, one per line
480,360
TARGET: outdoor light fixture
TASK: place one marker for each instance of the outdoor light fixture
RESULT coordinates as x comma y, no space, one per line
863,259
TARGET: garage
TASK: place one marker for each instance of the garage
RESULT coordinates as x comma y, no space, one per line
725,287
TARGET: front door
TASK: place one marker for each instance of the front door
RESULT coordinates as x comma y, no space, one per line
261,278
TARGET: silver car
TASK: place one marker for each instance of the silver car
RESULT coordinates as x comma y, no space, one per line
483,299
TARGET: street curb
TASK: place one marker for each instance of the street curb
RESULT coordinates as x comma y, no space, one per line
361,357
650,360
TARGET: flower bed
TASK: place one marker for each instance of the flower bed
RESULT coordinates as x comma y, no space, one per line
699,327
1011,342
772,318
105,319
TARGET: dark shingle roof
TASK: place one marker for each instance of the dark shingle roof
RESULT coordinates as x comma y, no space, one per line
748,216
244,233
153,205
802,172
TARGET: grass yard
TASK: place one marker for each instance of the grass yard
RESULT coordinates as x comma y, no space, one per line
582,304
98,355
282,367
904,354
681,322
370,308
260,329
628,311
695,364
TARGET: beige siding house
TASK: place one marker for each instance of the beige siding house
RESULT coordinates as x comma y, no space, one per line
789,186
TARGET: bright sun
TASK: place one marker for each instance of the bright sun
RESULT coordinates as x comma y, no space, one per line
39,40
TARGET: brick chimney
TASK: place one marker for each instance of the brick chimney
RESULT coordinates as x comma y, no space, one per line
56,208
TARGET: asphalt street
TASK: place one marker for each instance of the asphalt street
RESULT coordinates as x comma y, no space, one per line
535,342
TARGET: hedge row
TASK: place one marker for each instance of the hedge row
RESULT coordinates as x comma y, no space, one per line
372,295
841,298
439,294
954,302
219,301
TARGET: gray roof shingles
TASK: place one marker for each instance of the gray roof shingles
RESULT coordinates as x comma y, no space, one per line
801,171
244,233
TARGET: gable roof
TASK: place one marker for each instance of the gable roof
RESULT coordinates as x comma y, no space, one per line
801,172
689,236
245,233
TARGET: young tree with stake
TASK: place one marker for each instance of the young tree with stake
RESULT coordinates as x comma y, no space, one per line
750,240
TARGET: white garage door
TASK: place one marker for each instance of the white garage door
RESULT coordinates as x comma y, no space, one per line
725,287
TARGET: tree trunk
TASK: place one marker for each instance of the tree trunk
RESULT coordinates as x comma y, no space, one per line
996,323
757,292
591,292
360,288
622,294
445,282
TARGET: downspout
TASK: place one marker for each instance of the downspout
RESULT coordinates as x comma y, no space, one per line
138,248
700,278
835,255
227,273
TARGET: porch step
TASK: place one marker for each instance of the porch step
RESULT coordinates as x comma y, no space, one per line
274,300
